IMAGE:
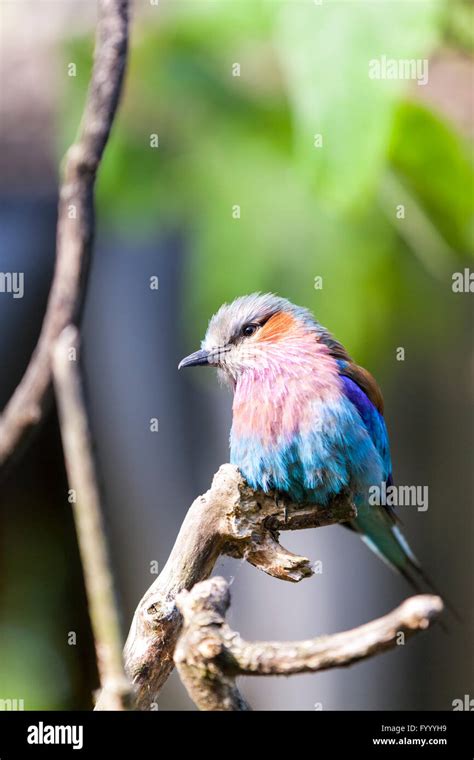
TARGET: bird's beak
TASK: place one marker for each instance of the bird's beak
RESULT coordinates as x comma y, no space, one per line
195,359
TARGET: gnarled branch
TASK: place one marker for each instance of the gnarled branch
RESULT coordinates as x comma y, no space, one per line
209,655
75,222
229,519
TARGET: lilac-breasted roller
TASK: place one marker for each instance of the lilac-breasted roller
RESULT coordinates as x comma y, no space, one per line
307,421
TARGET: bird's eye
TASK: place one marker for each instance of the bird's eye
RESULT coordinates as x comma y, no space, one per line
249,329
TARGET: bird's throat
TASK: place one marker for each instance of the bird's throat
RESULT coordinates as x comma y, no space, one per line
271,404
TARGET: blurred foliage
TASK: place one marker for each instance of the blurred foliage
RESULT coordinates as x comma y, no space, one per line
41,569
249,140
305,212
459,24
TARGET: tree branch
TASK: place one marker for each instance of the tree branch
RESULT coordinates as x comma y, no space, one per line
229,519
209,655
103,608
75,222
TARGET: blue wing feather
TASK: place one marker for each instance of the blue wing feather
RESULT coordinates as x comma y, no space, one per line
373,421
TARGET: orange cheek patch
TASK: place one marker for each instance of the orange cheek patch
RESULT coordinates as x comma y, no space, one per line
277,327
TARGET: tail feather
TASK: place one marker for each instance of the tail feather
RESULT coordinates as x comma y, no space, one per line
435,590
387,541
417,570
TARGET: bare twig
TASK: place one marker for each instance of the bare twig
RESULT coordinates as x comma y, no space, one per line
209,655
75,222
230,519
98,578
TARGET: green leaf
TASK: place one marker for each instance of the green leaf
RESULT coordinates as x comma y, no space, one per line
325,52
434,163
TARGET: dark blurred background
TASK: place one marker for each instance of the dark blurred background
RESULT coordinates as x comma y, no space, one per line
332,212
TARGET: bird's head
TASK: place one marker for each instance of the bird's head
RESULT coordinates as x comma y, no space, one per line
254,333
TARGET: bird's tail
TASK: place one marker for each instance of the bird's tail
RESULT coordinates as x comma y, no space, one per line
385,538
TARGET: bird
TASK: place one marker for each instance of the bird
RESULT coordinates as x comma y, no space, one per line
308,422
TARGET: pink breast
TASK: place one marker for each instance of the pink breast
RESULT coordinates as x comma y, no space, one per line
279,401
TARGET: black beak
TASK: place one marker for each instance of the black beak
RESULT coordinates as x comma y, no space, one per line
194,360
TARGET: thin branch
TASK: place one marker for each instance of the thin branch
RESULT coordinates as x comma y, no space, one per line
229,519
103,609
209,655
75,222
